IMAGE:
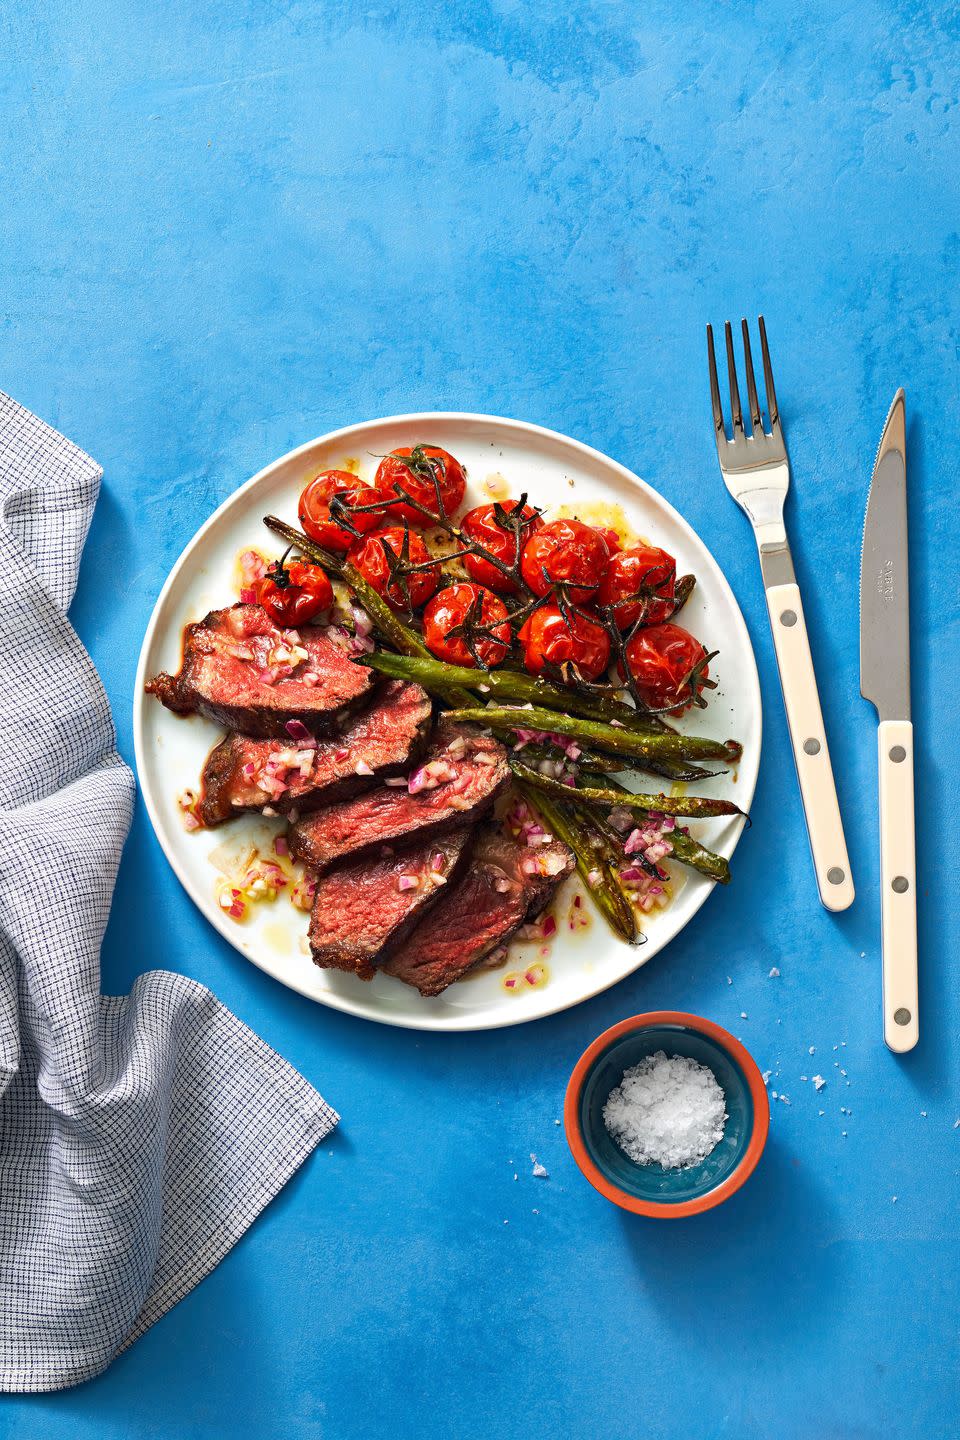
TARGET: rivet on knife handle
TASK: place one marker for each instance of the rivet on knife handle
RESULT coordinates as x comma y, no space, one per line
810,751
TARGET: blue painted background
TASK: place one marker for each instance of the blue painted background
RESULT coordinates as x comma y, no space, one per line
226,229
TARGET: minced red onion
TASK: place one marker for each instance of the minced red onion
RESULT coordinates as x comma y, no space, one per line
362,768
407,882
298,731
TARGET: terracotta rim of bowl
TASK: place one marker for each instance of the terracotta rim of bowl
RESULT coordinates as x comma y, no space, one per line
758,1094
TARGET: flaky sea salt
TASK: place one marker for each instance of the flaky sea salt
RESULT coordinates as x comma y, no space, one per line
668,1111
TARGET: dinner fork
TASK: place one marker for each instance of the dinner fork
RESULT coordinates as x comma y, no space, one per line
756,471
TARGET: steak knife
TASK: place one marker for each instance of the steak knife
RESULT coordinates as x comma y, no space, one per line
885,682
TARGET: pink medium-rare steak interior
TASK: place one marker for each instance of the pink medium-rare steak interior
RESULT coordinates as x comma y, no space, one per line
242,670
505,884
243,773
365,906
459,780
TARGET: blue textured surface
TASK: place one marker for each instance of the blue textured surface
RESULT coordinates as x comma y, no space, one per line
228,229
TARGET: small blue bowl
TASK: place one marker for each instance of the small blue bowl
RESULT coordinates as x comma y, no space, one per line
650,1189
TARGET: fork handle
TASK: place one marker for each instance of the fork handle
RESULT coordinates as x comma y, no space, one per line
898,885
810,752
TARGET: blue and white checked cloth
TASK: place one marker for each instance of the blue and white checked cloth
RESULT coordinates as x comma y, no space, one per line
139,1136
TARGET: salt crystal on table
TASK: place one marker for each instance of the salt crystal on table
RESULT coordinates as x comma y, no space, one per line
773,972
667,1110
812,1050
819,1081
767,1073
540,1171
743,1014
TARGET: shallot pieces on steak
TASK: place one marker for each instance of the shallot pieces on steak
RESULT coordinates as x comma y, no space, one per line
505,884
460,779
243,773
242,670
364,908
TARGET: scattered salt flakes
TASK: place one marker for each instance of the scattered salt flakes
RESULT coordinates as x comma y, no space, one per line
784,1099
843,1110
535,1212
774,1094
842,1071
774,972
819,1081
557,1122
803,1077
844,1134
924,1114
729,981
843,1044
956,1123
893,1199
540,1171
516,1176
767,1073
821,1112
743,1014
836,1047
812,1050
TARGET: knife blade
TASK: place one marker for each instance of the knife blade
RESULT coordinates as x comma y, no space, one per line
884,576
885,682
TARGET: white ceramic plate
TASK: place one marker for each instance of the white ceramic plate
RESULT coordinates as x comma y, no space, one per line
554,471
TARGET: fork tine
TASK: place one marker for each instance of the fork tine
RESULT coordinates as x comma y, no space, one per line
768,380
752,400
736,414
715,387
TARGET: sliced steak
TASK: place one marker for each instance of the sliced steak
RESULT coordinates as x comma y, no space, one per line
364,907
463,774
252,676
247,774
505,884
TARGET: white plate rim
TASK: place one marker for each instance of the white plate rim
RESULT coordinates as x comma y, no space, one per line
456,1021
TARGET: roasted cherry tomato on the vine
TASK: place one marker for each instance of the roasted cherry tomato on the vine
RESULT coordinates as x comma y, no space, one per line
315,509
294,594
569,551
482,526
550,639
638,581
402,590
669,667
462,624
419,470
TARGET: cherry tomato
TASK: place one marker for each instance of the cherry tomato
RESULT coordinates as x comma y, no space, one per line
414,467
638,581
370,559
548,638
565,550
465,605
482,526
294,594
315,508
669,666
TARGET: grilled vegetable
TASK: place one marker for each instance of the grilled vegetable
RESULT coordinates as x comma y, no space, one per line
615,740
689,806
597,861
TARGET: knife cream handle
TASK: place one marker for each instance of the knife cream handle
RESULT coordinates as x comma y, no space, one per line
809,741
898,885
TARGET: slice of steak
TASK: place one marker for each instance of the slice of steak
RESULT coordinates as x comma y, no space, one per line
366,906
506,884
462,776
247,774
252,676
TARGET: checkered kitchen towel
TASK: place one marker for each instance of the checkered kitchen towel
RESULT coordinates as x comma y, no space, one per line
139,1136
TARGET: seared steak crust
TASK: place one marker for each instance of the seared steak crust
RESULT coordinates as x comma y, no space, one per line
360,910
242,670
469,772
506,884
243,773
